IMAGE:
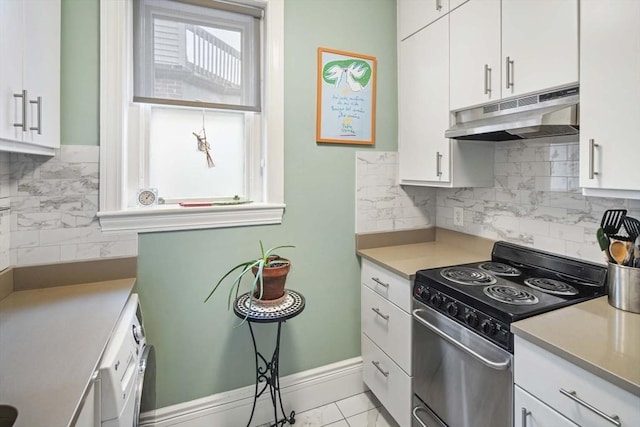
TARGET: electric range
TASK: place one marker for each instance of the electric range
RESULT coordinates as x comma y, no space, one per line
516,283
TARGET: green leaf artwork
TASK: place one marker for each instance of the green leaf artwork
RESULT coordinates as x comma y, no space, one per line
355,72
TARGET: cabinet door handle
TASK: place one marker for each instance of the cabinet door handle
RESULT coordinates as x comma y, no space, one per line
380,282
379,313
613,419
377,365
525,413
487,80
22,125
438,164
38,103
509,72
438,5
592,154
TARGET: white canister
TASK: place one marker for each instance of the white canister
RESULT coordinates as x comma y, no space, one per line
624,287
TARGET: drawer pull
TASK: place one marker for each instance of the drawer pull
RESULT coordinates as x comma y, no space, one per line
525,414
380,282
613,419
379,313
377,365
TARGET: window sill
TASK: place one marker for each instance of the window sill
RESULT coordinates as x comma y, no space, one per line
174,217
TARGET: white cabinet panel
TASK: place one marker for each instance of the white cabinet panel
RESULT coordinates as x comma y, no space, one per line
540,38
30,76
414,15
423,110
11,24
475,54
530,412
609,94
529,46
544,375
42,71
387,284
390,384
387,326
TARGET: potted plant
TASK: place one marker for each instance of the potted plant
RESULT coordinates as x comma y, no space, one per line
270,274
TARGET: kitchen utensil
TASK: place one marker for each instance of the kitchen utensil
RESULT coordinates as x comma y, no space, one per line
618,251
636,252
632,227
612,220
603,241
628,259
624,287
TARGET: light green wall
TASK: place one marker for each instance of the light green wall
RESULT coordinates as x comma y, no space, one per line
199,351
80,72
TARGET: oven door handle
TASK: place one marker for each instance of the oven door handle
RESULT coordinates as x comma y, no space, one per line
499,366
430,413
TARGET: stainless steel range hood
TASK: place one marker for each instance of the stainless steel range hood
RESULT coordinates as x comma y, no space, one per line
533,116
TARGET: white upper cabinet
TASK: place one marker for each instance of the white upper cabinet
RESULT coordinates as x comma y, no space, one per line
423,105
30,76
539,45
475,53
609,95
426,157
506,48
416,14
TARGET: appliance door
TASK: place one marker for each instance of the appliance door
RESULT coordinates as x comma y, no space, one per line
462,378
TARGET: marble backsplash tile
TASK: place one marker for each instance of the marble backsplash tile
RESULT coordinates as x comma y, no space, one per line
54,201
535,201
5,215
381,203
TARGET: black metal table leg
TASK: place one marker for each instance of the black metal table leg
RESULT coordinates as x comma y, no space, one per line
268,371
269,375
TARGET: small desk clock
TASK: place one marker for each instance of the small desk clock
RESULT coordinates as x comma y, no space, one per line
147,197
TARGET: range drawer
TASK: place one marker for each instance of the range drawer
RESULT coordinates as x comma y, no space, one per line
387,284
530,412
546,376
390,384
387,326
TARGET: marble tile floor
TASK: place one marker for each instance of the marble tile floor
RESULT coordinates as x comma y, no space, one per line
361,410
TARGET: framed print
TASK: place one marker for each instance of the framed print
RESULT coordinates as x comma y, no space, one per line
346,100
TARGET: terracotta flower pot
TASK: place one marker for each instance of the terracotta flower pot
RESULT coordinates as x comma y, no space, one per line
274,279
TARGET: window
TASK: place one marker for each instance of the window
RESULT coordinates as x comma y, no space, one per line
176,77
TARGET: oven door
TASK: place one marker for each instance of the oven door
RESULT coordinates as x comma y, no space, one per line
463,379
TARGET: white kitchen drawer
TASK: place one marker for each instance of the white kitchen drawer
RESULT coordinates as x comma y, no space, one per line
390,285
390,384
388,327
544,374
537,413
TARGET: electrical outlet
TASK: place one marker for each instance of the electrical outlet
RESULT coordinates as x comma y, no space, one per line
458,216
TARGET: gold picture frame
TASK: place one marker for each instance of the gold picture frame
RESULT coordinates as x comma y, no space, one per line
346,98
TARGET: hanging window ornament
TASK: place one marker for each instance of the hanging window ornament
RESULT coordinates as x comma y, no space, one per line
203,144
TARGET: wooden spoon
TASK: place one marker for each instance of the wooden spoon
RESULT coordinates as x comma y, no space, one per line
618,251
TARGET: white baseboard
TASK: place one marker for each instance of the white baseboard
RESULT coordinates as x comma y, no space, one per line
300,392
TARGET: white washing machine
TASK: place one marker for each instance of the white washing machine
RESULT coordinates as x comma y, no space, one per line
127,371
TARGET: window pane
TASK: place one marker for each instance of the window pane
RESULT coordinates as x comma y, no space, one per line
187,54
176,167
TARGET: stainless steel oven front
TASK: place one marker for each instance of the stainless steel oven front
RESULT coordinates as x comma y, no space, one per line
459,378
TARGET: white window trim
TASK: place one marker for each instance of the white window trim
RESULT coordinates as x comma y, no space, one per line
115,90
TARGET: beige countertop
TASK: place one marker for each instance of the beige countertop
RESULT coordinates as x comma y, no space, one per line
592,335
448,248
51,341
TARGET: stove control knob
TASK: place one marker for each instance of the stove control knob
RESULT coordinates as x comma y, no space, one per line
453,309
436,300
489,327
471,318
422,292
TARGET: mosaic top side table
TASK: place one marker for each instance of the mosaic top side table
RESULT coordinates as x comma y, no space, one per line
267,371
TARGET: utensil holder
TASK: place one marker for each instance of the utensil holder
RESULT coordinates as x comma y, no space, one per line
624,287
